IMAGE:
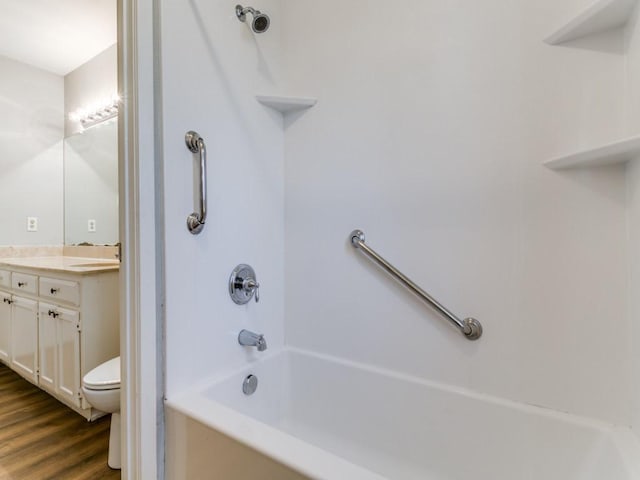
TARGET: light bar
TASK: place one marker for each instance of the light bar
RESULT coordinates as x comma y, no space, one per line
97,112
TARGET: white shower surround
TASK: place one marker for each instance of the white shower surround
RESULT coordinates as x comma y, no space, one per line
439,161
332,419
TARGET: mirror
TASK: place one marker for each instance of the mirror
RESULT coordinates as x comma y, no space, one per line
91,185
59,70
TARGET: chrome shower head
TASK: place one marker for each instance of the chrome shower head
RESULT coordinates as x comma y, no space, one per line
261,21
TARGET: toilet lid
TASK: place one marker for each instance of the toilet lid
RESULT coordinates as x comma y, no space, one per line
104,377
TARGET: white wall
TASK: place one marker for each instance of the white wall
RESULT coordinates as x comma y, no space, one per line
633,192
31,132
212,66
432,123
633,186
632,39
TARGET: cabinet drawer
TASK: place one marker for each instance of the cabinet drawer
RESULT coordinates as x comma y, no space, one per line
60,290
5,278
24,283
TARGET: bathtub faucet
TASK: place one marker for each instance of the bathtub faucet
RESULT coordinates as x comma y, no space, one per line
250,339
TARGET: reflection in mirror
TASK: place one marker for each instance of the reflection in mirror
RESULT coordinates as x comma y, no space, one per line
91,185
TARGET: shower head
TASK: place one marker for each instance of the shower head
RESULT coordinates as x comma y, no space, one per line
261,21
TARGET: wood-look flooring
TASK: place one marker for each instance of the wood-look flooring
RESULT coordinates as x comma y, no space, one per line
41,439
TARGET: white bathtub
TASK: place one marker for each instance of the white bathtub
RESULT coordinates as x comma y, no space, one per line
319,417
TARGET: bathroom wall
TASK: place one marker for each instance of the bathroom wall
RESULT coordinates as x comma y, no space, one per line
212,68
633,188
432,123
633,192
632,40
31,132
89,83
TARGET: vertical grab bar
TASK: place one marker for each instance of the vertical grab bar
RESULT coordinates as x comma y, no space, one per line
195,144
469,327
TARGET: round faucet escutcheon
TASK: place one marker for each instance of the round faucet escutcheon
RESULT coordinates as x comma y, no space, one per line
243,285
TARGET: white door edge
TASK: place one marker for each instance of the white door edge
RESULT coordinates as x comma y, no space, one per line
141,347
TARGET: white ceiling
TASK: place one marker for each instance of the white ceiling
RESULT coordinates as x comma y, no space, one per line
56,35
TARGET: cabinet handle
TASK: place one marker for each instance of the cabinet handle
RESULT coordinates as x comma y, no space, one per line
21,284
53,313
7,301
195,144
54,291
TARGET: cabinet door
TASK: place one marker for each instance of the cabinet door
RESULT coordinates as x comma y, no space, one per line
60,352
24,338
68,368
5,327
47,345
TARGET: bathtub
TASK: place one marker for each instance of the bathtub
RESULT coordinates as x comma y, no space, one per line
314,416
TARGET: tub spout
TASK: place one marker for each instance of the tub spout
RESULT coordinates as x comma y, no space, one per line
250,339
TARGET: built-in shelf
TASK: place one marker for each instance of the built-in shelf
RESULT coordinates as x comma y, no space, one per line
286,104
601,16
617,152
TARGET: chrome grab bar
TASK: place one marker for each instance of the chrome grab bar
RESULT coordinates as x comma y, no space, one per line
469,327
195,144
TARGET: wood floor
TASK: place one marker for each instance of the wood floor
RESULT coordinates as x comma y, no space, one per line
41,439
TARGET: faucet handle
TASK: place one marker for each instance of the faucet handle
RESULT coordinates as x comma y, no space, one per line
252,287
243,285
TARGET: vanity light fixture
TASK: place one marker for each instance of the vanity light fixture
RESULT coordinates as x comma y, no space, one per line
97,113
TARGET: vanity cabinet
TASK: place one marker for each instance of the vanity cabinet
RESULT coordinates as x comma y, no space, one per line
56,326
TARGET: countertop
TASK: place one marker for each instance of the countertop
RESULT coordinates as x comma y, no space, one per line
81,265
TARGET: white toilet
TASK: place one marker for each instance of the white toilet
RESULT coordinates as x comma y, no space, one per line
101,388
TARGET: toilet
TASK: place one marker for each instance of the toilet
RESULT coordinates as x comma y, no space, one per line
101,388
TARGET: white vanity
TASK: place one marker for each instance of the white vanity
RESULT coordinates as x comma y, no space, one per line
59,319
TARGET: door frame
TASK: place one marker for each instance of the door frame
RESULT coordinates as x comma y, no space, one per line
141,279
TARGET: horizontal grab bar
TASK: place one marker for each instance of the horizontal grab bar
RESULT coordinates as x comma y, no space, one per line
469,327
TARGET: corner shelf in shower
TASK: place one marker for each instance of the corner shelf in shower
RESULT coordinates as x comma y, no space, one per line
286,104
621,151
603,15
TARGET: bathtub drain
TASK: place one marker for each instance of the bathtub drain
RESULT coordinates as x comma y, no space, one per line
250,385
